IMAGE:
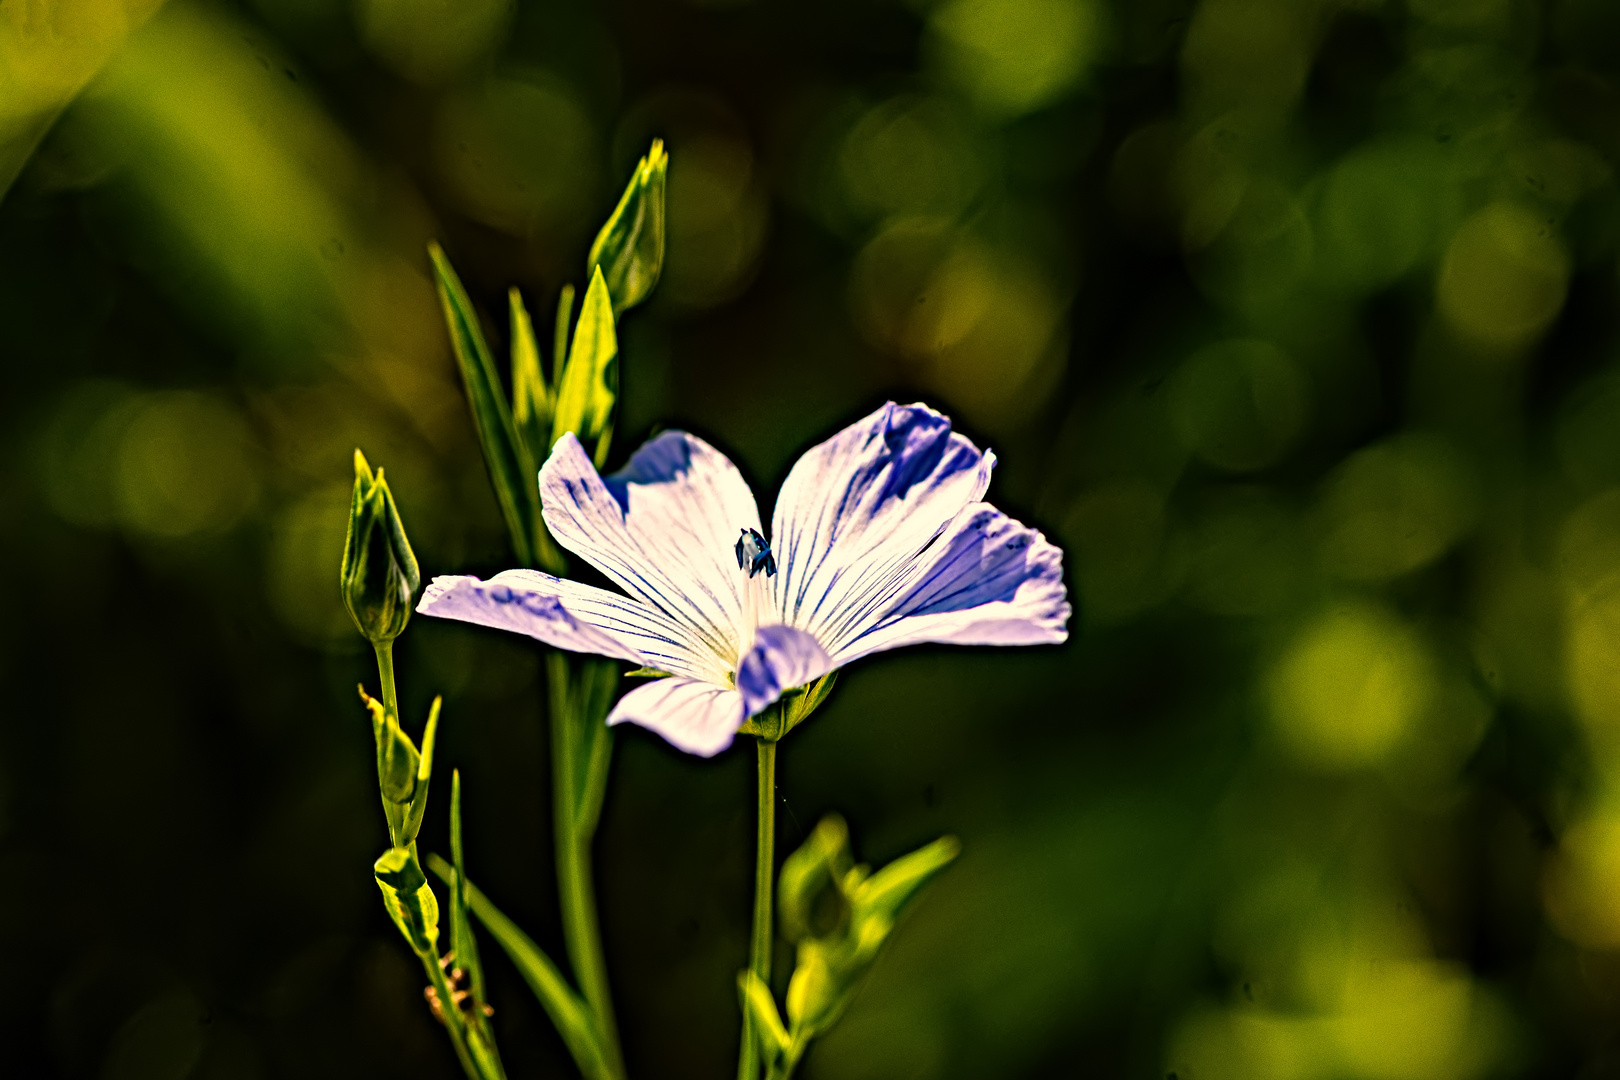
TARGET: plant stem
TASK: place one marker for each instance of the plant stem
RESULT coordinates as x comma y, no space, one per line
759,950
575,889
452,1018
394,815
385,673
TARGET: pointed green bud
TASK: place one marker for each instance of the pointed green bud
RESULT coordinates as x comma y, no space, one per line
630,248
399,765
810,897
379,569
799,703
408,899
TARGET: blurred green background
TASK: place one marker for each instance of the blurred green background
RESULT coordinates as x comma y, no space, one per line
1294,322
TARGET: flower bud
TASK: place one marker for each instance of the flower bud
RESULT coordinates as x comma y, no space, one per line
379,569
630,248
809,896
409,899
399,763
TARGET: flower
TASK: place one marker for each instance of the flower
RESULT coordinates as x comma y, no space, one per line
879,539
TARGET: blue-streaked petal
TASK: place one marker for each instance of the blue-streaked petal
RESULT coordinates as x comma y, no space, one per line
662,529
988,580
570,616
858,509
781,659
695,716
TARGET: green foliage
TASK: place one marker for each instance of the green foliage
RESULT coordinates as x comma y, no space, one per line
565,1008
379,574
510,468
839,915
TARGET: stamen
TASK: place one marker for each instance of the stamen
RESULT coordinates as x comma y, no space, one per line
754,554
754,558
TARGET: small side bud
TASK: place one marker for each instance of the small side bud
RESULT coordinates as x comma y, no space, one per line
841,915
408,899
379,574
399,764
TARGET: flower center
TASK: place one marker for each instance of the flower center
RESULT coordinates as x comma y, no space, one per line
756,562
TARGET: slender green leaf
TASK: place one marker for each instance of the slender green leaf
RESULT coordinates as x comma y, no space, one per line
531,397
424,773
891,889
562,1004
461,936
515,486
630,248
590,382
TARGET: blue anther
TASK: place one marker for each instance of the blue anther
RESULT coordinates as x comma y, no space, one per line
754,554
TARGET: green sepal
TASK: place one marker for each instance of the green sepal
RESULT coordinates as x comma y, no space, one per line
408,899
647,673
565,1007
515,486
531,398
590,382
760,1007
630,248
800,702
379,574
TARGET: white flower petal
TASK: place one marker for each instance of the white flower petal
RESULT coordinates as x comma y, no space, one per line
662,529
858,509
570,616
780,659
697,717
988,580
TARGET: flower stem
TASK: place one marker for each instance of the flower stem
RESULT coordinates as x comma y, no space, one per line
452,1016
575,888
759,952
385,674
392,813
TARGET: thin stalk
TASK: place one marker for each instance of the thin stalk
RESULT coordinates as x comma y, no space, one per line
759,950
575,888
393,814
447,1009
385,674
